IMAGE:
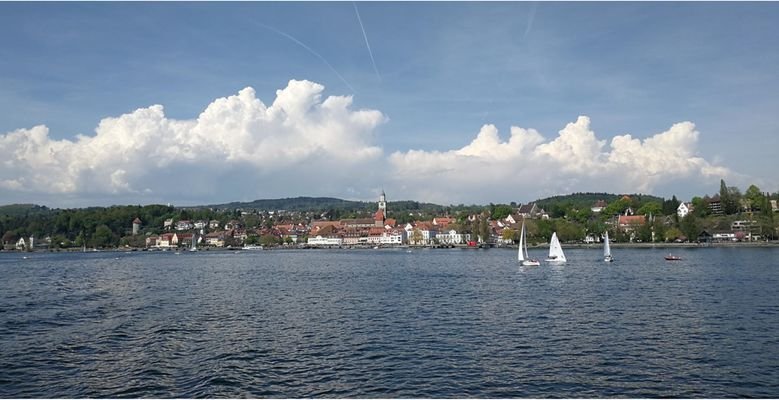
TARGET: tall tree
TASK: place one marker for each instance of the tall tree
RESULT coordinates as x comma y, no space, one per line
753,198
670,206
725,198
735,199
700,207
690,227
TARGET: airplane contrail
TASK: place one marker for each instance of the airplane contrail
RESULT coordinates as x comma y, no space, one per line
366,41
530,19
310,50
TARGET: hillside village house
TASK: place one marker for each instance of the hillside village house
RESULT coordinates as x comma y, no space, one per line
511,219
598,206
684,209
184,225
715,205
532,211
629,223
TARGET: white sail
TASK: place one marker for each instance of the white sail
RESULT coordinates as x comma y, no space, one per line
194,243
607,249
521,249
524,258
555,250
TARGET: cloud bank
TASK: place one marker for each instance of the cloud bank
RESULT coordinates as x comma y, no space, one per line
527,166
238,148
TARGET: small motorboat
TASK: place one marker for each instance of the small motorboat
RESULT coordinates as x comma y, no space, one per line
672,257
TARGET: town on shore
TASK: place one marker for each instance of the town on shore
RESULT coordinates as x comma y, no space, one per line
728,217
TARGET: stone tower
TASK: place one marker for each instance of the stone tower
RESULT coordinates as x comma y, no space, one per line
136,225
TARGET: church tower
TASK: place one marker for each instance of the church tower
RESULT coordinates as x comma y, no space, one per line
383,203
381,213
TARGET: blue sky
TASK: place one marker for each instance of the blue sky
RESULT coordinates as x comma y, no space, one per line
437,72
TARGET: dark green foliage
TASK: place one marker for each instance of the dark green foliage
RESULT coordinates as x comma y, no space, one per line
690,226
500,211
580,201
670,206
20,210
95,226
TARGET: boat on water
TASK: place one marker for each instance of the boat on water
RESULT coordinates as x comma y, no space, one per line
556,254
194,243
251,247
607,249
672,257
522,256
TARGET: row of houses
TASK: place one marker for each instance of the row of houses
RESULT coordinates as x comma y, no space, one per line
381,230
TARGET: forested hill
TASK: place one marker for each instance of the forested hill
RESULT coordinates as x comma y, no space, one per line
22,210
320,203
295,204
586,200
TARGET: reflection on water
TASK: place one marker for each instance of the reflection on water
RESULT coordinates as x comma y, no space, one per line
389,323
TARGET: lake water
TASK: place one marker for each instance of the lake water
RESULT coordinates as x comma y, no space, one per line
390,323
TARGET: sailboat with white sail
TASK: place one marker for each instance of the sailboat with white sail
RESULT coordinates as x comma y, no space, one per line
524,258
607,249
556,254
194,243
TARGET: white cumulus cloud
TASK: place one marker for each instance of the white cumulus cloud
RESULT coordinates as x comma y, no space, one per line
302,143
527,166
237,147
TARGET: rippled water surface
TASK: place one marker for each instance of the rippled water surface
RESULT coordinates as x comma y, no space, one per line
389,323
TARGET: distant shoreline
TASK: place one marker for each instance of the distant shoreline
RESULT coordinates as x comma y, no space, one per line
773,243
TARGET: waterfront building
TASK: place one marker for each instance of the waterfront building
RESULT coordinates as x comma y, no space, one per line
325,241
452,237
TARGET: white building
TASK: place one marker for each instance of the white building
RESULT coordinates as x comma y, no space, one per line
684,209
393,237
724,236
427,233
452,237
325,241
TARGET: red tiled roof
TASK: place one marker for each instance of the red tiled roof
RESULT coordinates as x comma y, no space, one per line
632,219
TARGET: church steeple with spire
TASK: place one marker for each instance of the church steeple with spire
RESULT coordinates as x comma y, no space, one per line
383,203
381,213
